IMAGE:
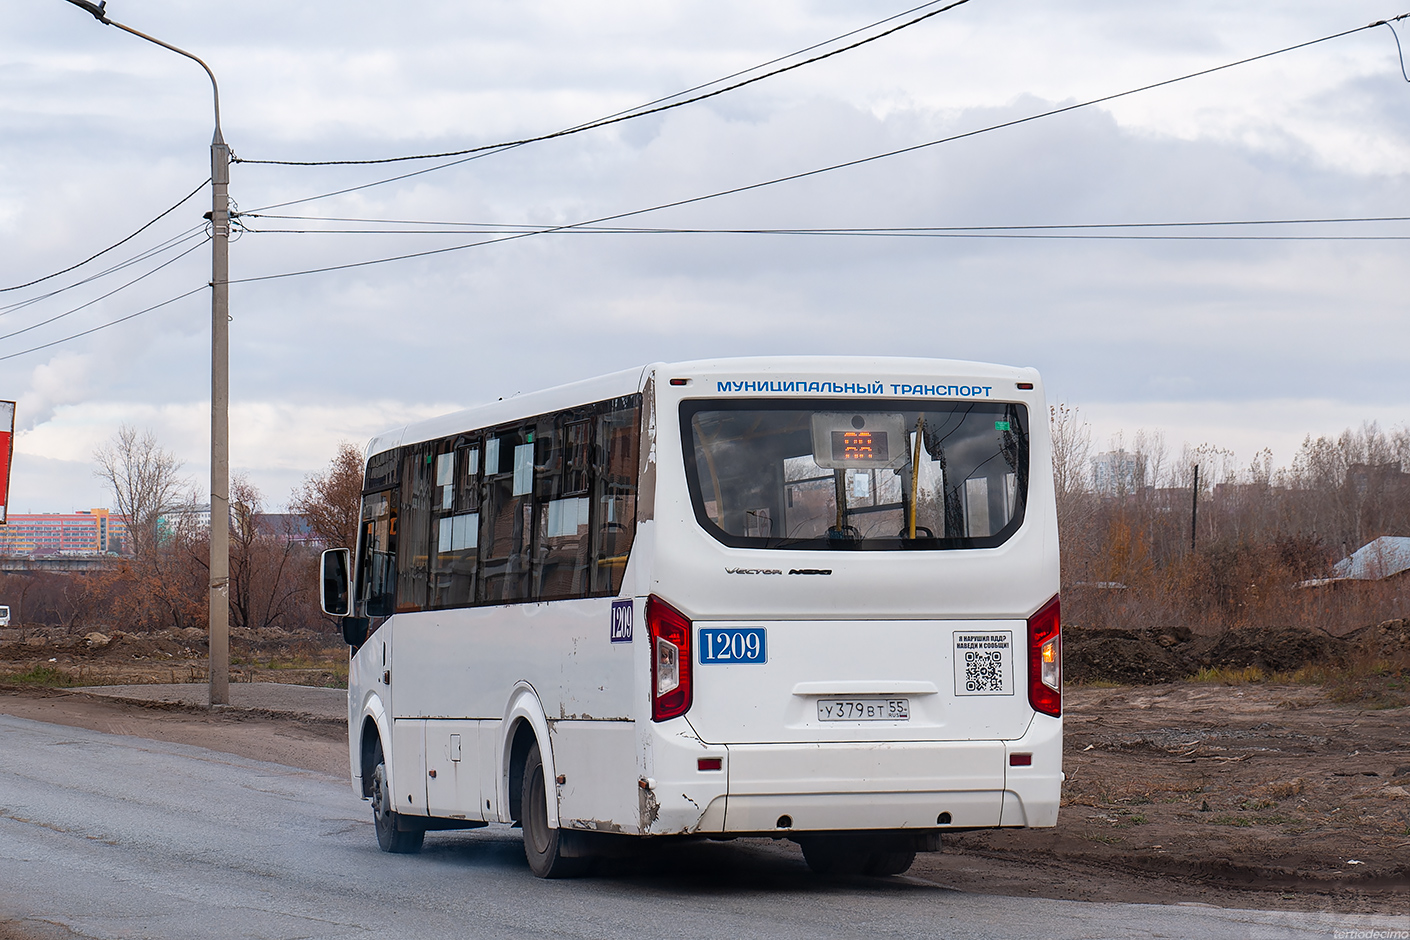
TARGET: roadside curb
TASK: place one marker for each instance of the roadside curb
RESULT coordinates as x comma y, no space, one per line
304,704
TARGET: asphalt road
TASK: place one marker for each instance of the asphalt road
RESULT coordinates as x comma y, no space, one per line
117,837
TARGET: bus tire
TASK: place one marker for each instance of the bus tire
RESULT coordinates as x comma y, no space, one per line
390,837
543,844
889,863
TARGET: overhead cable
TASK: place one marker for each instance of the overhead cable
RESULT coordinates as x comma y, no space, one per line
504,147
1400,53
110,293
117,244
865,233
452,228
1064,109
104,326
651,107
170,243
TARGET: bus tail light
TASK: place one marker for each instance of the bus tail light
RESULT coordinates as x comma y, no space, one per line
669,632
1045,659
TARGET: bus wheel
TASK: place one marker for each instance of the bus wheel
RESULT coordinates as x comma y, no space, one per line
889,863
389,838
543,844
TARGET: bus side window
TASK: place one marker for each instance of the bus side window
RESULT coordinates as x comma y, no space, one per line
413,543
467,463
615,451
576,457
455,526
506,521
376,576
564,538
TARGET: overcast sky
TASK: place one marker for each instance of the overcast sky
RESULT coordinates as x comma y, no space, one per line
1242,344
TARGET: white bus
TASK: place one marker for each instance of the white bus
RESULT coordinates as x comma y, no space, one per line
807,598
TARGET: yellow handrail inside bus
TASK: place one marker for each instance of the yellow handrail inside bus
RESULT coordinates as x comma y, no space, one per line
915,472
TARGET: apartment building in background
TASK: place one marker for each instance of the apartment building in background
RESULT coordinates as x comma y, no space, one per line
1118,473
87,532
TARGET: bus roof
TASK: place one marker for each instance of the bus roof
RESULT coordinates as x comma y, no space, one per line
773,370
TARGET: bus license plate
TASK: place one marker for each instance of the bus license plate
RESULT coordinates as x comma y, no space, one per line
864,709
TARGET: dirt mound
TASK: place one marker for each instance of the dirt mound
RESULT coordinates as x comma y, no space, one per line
1283,650
1125,656
1144,657
1388,640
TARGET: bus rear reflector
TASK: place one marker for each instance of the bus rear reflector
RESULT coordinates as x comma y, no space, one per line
669,633
1045,659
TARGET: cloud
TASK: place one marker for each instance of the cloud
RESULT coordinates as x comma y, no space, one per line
62,380
98,133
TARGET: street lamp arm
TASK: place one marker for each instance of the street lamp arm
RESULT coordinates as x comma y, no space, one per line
99,14
95,8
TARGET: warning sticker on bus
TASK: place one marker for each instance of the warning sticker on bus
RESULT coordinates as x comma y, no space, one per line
984,663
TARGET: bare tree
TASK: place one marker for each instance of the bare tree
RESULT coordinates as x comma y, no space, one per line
145,482
1152,455
331,501
1072,448
267,581
166,582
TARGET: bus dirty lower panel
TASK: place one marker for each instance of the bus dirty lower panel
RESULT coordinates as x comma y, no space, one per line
452,769
686,782
408,768
597,764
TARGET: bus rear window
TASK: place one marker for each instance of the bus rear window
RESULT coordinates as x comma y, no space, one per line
873,475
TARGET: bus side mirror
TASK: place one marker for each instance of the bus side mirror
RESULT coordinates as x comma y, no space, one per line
355,631
335,587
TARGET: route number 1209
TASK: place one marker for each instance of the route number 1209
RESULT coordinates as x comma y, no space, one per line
733,645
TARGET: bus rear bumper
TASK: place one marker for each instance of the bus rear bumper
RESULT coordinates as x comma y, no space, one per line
793,788
885,785
836,812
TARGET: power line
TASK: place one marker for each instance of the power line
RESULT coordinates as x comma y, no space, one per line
110,293
116,244
891,228
859,233
104,326
1400,53
634,113
814,172
506,147
453,228
587,225
174,241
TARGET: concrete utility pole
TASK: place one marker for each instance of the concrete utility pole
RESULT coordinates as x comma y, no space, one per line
220,379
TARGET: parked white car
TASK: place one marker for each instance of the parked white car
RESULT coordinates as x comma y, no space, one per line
4,616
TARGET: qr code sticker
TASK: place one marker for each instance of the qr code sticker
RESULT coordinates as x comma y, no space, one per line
983,672
984,663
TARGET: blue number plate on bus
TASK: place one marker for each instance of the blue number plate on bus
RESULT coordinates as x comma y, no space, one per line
733,645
